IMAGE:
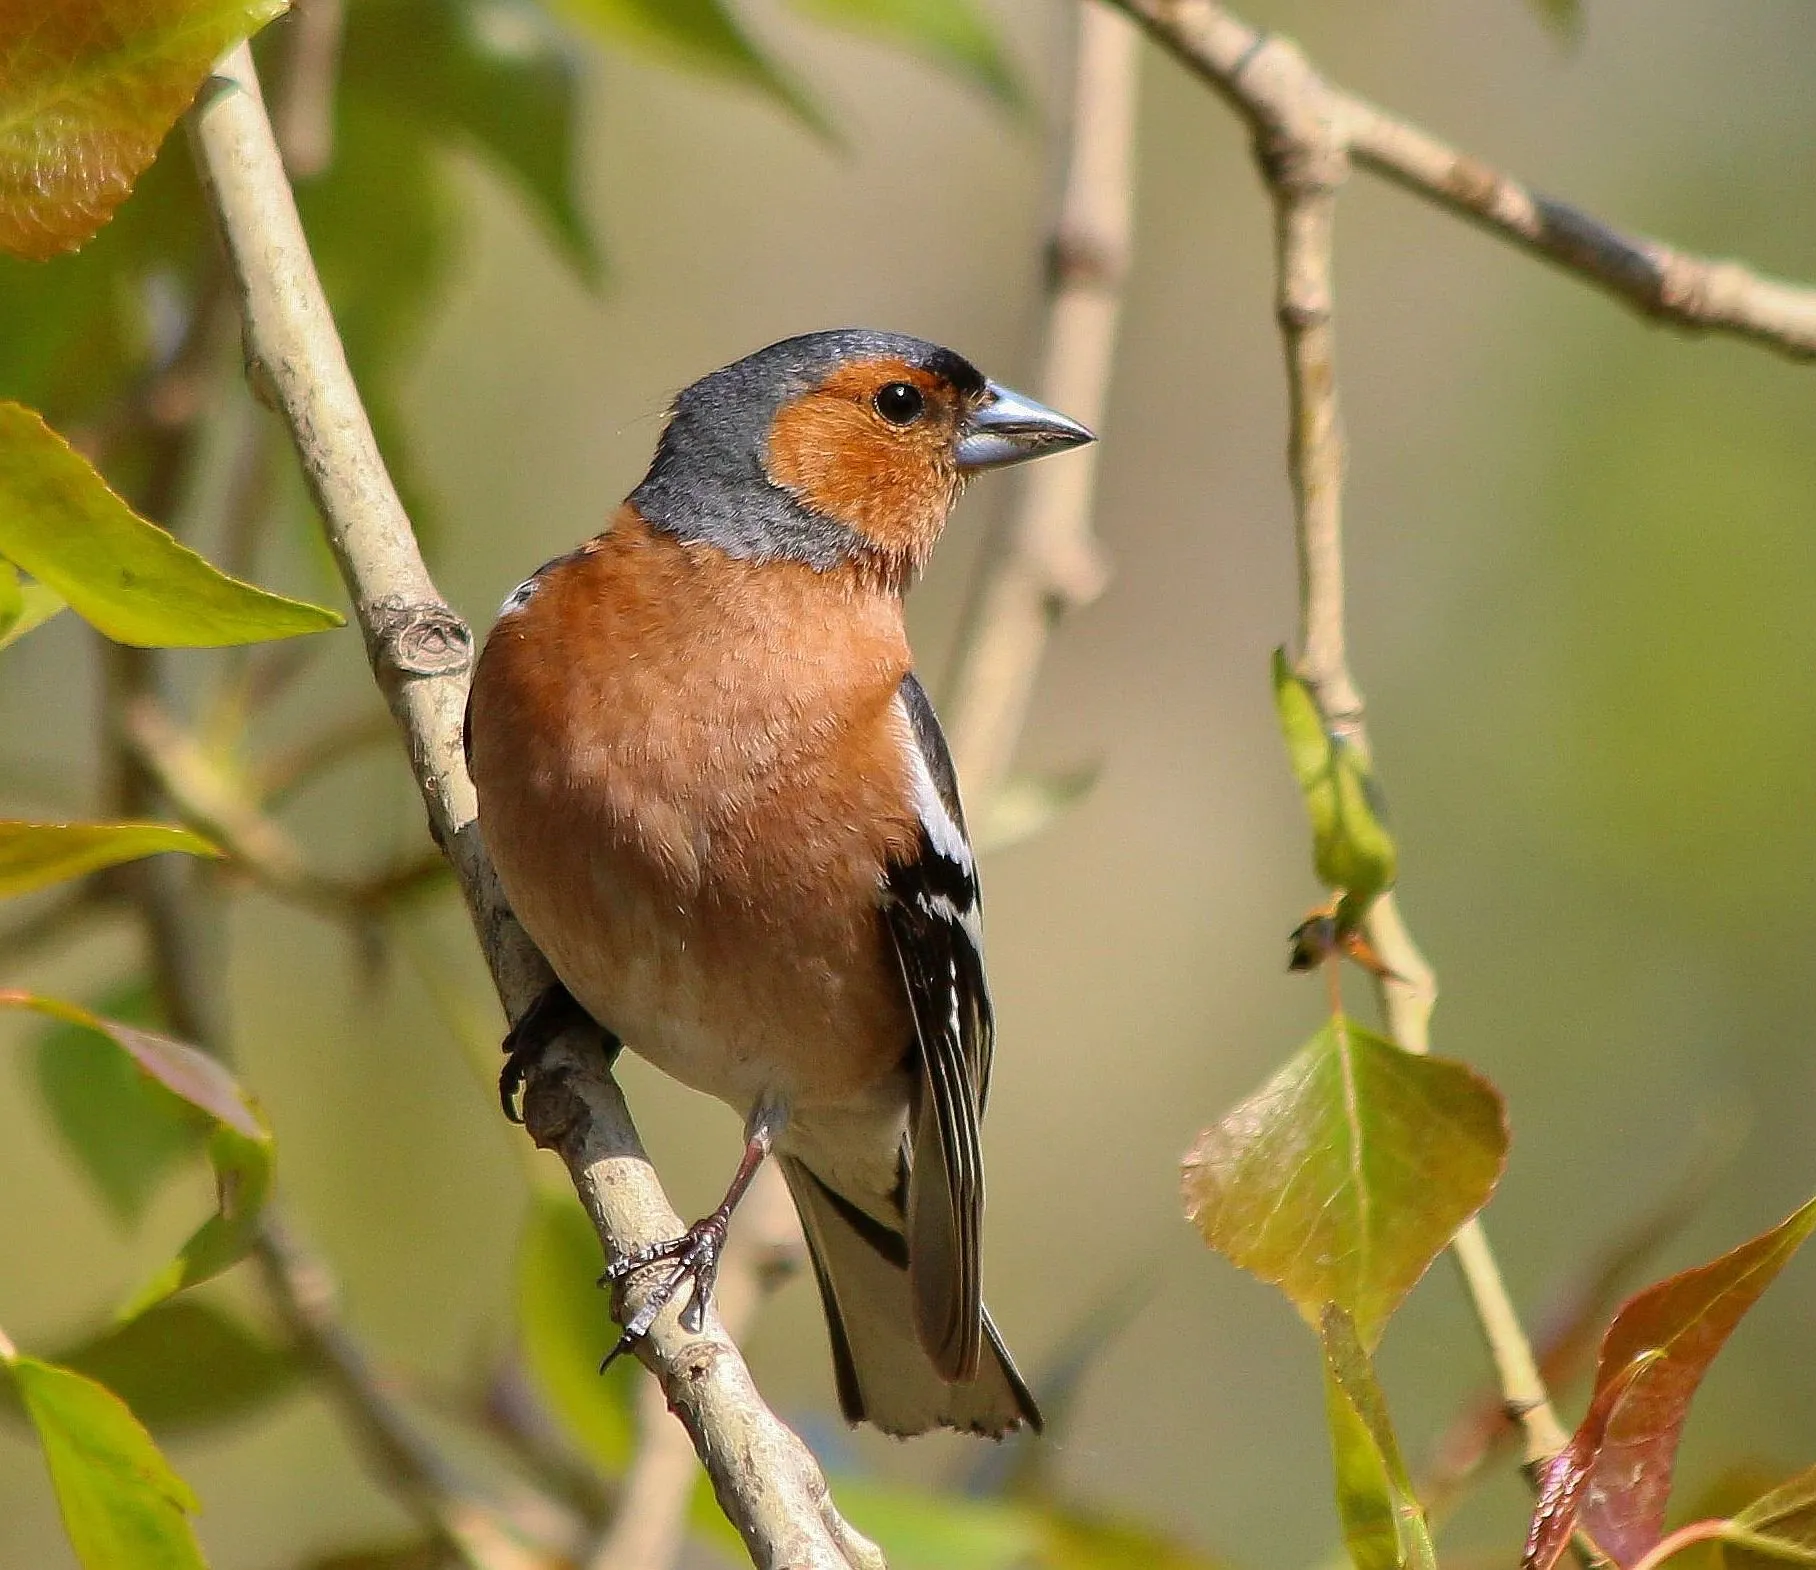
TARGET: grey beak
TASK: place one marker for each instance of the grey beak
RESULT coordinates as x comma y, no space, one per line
1008,428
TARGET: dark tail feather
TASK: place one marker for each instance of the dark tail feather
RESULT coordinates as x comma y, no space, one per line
885,1376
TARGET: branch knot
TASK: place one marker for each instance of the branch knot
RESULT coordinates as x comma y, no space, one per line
424,639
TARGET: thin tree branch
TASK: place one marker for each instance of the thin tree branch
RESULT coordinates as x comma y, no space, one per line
1302,144
1264,78
1050,562
765,1479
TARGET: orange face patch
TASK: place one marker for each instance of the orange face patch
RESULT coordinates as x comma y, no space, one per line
892,481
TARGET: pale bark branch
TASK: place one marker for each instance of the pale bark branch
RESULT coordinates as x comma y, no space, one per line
764,1477
1050,561
1268,82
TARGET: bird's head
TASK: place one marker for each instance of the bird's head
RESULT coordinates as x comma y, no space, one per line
838,448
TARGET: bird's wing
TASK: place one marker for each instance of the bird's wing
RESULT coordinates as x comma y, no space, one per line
933,910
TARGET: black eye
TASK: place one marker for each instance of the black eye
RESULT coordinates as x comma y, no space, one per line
900,403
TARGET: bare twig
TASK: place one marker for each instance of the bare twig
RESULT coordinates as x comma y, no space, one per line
765,1479
1050,561
650,1523
1692,292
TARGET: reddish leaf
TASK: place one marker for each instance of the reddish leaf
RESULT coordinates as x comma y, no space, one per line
1687,1319
88,89
1568,1474
1341,1179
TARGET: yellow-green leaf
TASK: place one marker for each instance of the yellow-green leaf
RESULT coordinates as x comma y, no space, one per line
88,89
1384,1524
122,1503
1777,1529
126,576
35,855
24,605
1341,1179
1352,852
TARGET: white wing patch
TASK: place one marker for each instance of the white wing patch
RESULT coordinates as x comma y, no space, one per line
518,597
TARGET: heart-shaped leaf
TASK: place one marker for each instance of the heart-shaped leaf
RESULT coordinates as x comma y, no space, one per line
1342,1178
121,1502
61,523
36,855
88,89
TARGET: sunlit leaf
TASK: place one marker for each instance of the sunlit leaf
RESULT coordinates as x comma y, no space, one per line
1028,805
495,71
122,1504
1688,1318
1567,1476
61,523
187,1365
1778,1529
1341,1179
88,89
35,855
695,35
123,1127
1384,1525
566,1326
920,1531
239,1147
1351,848
951,33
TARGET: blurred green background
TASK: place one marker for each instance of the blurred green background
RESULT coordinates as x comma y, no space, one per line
1583,564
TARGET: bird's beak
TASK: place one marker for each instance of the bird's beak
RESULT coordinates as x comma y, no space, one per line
1008,428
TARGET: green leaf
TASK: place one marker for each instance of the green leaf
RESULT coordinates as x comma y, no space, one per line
122,1504
1686,1319
124,1128
1351,849
36,606
186,1366
239,1147
61,523
695,35
1073,1540
1028,805
567,1327
1344,1176
496,72
88,89
35,855
1383,1522
950,33
919,1531
1776,1529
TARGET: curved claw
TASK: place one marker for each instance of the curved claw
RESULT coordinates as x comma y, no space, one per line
696,1254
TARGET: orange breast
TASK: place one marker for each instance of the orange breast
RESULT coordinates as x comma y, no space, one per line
691,774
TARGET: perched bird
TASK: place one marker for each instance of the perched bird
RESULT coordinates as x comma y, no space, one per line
720,803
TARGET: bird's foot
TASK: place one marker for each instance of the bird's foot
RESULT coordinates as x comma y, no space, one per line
696,1256
553,1012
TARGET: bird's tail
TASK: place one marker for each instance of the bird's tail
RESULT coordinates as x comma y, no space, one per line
884,1375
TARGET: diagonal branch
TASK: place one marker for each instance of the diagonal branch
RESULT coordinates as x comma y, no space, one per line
1267,81
768,1484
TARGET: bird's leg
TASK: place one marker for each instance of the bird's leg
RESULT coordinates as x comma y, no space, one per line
553,1012
696,1252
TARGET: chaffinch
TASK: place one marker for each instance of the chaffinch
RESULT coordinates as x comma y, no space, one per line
719,801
